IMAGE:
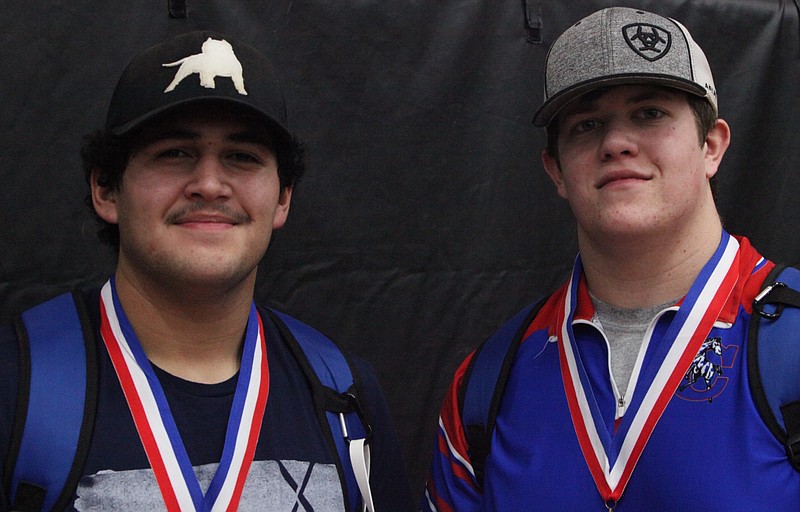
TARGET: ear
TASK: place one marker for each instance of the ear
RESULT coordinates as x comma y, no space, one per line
717,141
104,199
553,168
282,210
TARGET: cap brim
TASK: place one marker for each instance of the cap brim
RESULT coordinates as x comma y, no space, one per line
131,126
553,105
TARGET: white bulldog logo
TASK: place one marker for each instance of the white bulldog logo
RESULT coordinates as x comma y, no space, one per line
216,58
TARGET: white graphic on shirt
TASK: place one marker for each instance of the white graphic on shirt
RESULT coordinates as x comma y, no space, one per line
216,58
270,485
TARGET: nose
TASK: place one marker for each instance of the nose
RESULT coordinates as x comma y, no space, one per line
617,141
209,180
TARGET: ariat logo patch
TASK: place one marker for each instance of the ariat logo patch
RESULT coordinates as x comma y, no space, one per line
649,41
216,58
705,379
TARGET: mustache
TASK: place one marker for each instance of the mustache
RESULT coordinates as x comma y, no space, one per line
237,217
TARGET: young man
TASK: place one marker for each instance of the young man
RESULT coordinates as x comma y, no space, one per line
629,389
203,400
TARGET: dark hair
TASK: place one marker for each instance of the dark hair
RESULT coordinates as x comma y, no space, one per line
107,155
704,116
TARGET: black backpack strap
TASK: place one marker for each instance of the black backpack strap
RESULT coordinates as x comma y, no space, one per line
57,399
774,357
485,382
335,394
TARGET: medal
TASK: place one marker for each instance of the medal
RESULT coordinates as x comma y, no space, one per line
154,422
611,460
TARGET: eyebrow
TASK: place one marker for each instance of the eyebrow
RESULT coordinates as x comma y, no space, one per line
260,137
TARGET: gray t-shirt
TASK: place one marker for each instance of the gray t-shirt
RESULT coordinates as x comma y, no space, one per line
625,330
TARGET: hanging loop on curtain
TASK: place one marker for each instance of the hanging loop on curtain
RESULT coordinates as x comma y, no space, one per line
533,19
177,9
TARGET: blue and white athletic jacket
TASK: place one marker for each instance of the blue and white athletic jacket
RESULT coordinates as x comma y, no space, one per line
562,434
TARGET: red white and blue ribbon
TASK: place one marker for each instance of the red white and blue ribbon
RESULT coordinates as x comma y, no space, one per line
157,430
611,459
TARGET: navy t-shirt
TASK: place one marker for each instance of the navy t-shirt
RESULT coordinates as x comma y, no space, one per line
293,467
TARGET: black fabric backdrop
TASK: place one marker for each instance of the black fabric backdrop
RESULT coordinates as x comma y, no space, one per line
425,219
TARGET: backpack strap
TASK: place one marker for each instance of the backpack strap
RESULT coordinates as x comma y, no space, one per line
774,357
335,396
56,404
485,379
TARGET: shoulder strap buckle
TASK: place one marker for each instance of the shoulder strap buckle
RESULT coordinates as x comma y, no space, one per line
761,301
355,407
358,449
793,450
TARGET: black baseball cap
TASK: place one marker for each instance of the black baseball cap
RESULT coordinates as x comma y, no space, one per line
195,67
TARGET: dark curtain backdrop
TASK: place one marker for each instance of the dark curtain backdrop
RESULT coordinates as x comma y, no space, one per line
425,219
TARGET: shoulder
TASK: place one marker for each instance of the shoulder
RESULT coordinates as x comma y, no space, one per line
312,351
312,348
754,269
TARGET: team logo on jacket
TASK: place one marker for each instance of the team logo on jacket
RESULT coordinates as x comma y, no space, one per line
649,41
705,379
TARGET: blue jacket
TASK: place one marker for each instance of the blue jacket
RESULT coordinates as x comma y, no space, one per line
710,449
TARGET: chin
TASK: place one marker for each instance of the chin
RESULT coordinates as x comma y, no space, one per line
624,227
211,273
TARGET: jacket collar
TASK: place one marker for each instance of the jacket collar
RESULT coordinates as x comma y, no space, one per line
753,269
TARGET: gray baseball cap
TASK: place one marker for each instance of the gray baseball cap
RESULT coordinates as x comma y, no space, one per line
617,46
194,67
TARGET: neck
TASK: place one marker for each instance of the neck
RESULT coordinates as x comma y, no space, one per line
197,337
644,271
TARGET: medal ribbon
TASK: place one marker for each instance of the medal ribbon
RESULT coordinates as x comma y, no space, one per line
156,426
611,460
